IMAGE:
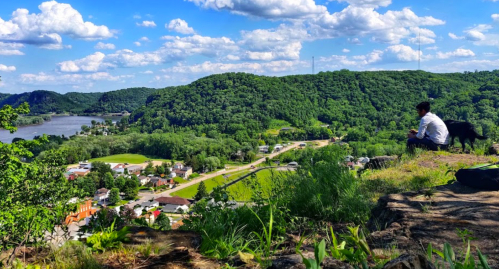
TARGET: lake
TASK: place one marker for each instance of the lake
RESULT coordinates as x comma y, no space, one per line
59,125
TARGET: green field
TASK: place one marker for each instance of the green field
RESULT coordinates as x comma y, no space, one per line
126,158
240,191
191,191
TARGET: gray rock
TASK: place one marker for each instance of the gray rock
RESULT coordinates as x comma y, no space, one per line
494,149
380,162
408,261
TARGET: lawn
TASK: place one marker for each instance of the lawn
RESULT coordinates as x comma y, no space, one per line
191,191
242,192
126,158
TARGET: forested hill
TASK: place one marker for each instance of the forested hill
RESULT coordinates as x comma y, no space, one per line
248,103
80,103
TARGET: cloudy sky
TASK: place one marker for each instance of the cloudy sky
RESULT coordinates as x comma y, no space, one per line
89,45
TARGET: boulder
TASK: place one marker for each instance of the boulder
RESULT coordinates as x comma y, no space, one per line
380,162
494,149
408,261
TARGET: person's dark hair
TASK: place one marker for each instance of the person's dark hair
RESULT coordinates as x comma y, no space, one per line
423,106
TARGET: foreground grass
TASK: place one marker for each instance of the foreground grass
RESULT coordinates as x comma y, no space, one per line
126,158
428,169
242,191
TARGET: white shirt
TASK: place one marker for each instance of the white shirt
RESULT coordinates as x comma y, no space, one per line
433,127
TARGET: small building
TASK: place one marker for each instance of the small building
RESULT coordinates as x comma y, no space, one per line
138,211
287,128
178,166
83,211
79,172
293,164
144,180
101,195
134,169
158,181
150,205
164,201
184,172
364,160
85,165
119,168
175,209
172,174
70,176
263,149
278,147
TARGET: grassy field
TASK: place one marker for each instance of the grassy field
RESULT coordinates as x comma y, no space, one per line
190,191
242,192
126,158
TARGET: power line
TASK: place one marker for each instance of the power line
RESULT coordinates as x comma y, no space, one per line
419,51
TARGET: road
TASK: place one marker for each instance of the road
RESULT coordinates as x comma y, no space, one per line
148,196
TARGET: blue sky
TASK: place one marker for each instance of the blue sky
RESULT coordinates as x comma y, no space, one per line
89,46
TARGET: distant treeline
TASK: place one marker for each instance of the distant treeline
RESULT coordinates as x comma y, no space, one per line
32,120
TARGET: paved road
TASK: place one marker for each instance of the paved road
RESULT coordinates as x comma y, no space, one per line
148,196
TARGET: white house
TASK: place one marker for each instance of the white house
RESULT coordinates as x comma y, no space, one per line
263,149
150,205
144,180
138,211
278,147
101,195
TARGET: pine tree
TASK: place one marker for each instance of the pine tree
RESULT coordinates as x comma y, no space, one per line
202,192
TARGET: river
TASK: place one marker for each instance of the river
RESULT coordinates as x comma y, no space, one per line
59,125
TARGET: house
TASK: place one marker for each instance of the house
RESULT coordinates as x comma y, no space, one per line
278,147
164,201
175,209
150,205
286,128
144,180
79,172
178,166
364,160
70,176
172,174
119,168
263,149
85,165
138,211
293,164
134,169
83,211
325,126
183,172
348,158
101,195
158,181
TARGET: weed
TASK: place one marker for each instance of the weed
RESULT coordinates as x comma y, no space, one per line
320,254
107,239
449,259
265,245
425,208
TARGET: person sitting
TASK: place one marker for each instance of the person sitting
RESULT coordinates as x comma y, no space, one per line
432,133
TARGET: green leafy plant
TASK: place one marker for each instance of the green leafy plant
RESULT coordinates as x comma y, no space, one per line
265,251
319,252
108,239
448,258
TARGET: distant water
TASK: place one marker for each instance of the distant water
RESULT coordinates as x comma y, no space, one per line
59,125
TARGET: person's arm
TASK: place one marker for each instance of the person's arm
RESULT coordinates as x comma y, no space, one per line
422,128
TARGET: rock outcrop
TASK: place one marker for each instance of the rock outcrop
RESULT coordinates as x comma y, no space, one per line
494,149
380,162
411,221
407,261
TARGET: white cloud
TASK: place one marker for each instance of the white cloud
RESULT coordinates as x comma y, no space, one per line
150,24
270,9
477,33
137,43
282,43
495,17
45,28
471,65
5,68
11,48
69,79
144,38
148,72
128,58
354,41
91,63
104,46
390,27
179,26
401,53
455,37
432,48
196,44
252,67
367,3
457,53
137,17
345,50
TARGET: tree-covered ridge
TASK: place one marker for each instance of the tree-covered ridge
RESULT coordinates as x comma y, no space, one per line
42,102
372,101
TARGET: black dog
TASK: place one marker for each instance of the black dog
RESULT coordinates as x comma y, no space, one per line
463,130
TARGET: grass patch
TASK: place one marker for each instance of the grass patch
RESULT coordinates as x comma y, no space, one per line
180,180
210,184
427,170
126,158
241,191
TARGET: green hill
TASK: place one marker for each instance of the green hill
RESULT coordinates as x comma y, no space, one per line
356,101
42,102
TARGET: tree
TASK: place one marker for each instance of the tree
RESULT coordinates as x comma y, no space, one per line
85,128
160,169
212,163
131,188
86,185
202,192
162,222
114,196
120,183
109,181
149,169
102,168
33,196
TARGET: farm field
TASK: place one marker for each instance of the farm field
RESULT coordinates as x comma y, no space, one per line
191,191
126,158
